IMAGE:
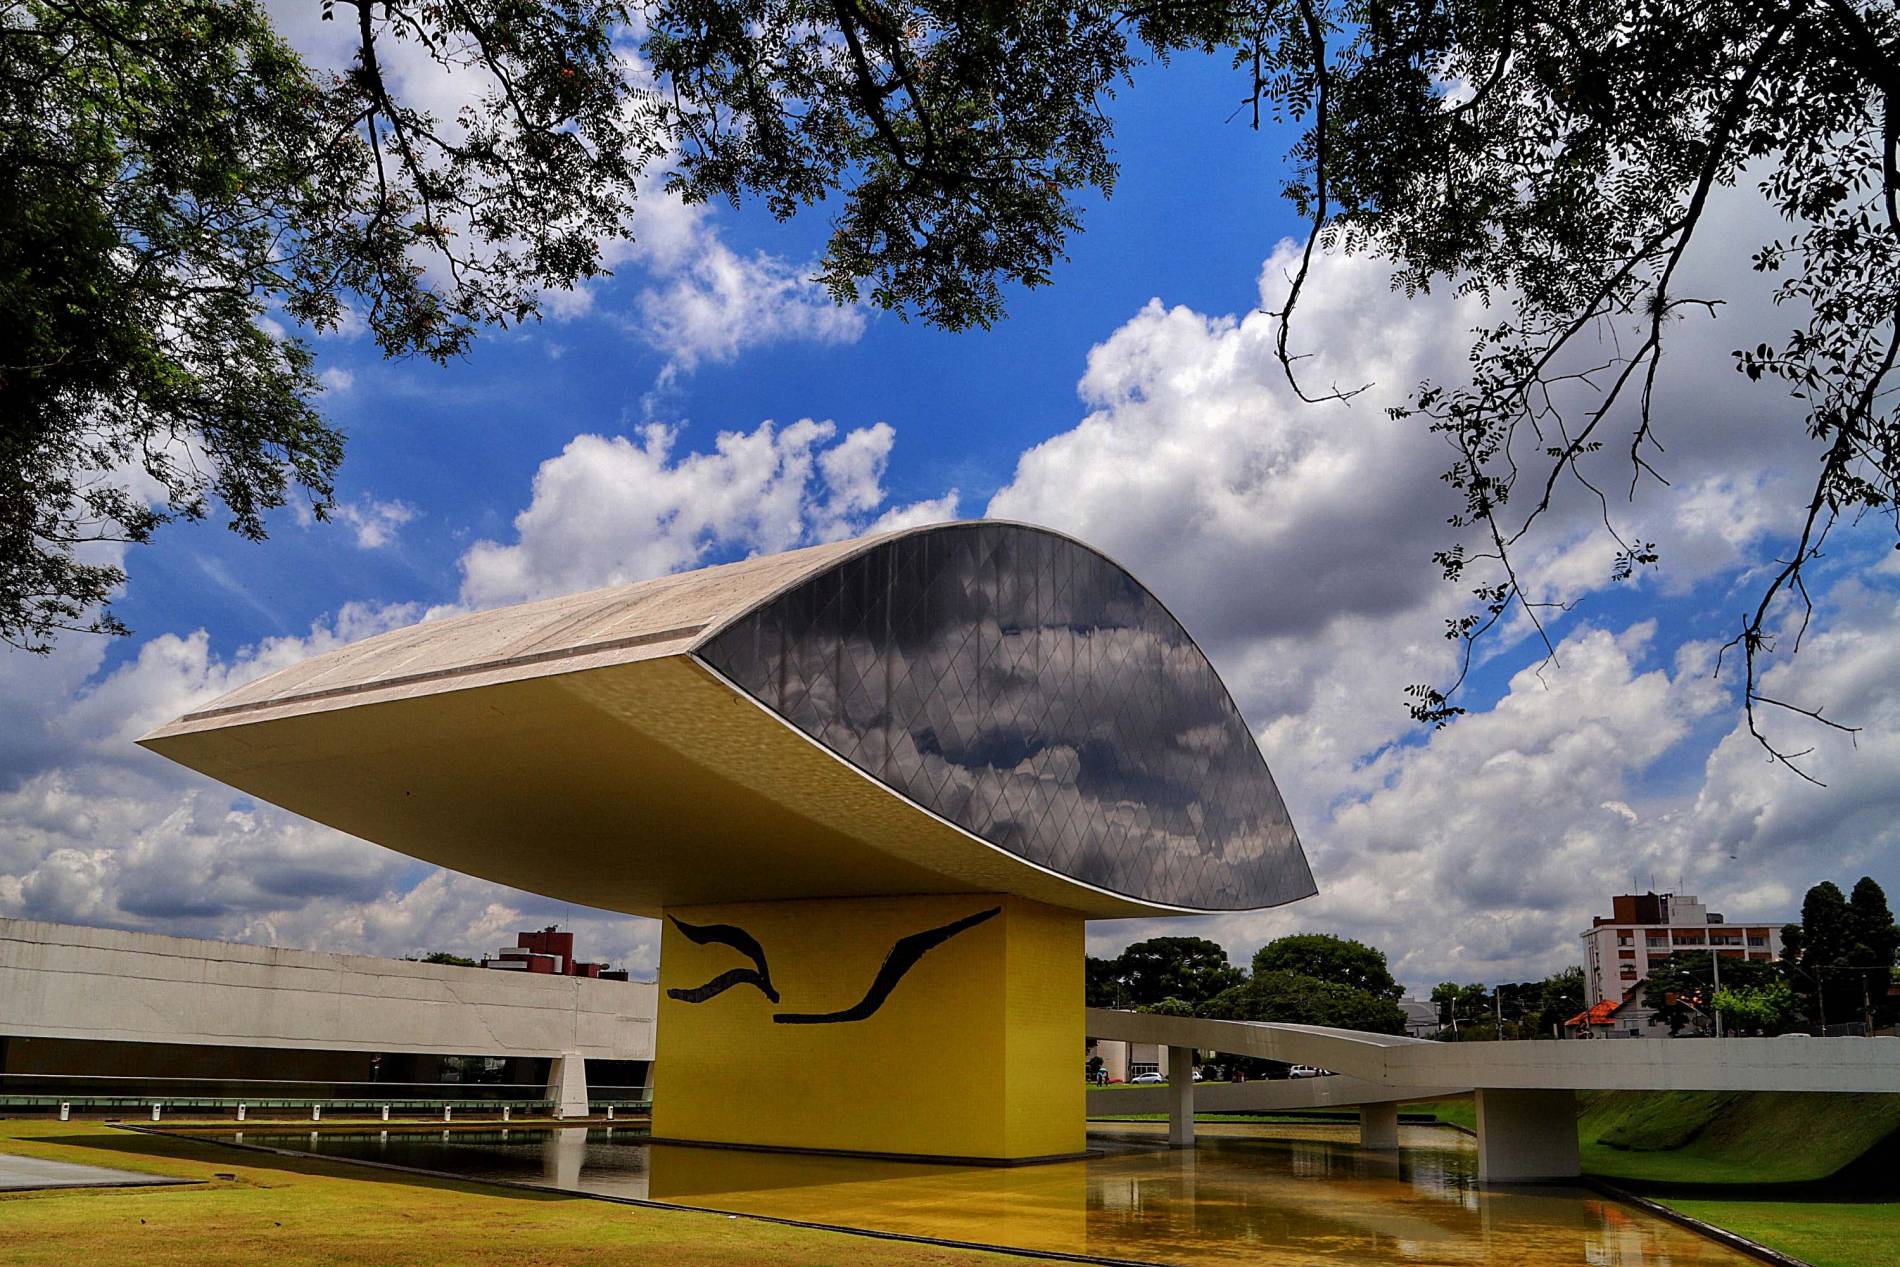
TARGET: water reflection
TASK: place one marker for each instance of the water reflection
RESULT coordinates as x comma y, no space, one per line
1300,1195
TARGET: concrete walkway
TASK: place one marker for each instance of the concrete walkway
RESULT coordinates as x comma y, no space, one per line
19,1174
1525,1093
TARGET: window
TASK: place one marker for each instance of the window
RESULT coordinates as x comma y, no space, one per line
1629,972
1626,954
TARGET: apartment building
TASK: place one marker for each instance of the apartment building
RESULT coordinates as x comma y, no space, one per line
1646,928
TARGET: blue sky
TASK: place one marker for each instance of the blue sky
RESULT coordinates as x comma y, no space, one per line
462,443
1132,402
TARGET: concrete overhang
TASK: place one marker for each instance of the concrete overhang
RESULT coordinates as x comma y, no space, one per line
587,748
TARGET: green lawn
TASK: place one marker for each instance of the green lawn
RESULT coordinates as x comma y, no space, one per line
1695,1137
291,1212
1823,1234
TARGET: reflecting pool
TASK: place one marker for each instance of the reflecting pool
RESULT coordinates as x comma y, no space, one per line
1283,1194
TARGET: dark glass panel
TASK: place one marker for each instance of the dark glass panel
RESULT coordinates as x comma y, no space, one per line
1030,691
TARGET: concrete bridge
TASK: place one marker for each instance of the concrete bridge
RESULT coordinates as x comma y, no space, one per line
100,987
1525,1092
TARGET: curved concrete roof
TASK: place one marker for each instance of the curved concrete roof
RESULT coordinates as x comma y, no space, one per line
585,746
621,624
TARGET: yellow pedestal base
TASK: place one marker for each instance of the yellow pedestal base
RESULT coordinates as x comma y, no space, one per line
942,1027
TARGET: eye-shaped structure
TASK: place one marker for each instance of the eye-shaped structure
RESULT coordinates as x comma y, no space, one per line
970,707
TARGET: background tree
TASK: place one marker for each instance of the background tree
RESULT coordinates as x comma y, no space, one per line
1558,159
1839,958
1874,940
1102,984
1329,958
449,958
1765,1009
1814,953
1315,979
1460,1006
1538,1009
1192,969
1295,998
1681,989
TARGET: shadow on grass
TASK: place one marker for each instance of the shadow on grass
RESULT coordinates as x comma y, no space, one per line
220,1155
1873,1178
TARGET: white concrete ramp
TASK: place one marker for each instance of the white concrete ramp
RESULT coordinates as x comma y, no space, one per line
1525,1091
1275,1095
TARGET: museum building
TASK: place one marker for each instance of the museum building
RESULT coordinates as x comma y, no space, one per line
873,788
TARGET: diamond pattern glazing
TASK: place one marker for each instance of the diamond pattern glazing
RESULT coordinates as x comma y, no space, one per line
1035,694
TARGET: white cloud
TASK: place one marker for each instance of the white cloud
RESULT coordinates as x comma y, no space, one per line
611,509
96,830
1294,541
336,379
932,510
1482,853
374,522
716,303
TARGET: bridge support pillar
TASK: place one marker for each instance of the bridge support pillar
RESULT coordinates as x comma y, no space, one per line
567,1084
1525,1136
1379,1125
1180,1097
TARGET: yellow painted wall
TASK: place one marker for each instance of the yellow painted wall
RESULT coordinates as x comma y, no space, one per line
976,1053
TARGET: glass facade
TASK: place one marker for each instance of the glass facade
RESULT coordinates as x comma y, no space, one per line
1032,692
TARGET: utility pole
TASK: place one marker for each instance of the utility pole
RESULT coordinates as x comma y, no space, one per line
1715,958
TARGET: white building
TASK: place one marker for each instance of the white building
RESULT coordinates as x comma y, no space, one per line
1646,928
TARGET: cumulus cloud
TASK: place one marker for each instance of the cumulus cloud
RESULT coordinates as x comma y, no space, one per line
1483,853
717,303
374,523
95,830
611,509
1295,541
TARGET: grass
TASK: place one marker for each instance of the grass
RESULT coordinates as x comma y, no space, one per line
1714,1137
1730,1137
1824,1234
290,1212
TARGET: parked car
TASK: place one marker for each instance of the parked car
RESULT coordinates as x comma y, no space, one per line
1147,1079
1305,1071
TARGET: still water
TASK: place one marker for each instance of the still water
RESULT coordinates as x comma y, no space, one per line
1288,1195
